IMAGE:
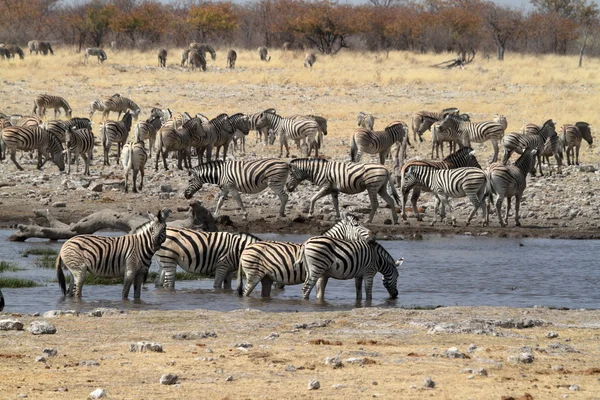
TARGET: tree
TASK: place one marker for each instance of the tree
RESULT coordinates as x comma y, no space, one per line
587,17
98,17
140,21
504,24
212,18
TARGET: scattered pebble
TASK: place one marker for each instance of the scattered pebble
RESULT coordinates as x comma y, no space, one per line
243,345
453,352
48,352
40,359
574,388
97,394
428,383
168,379
42,328
314,384
551,335
145,346
229,378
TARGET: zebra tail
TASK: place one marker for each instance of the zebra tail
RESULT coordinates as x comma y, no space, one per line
353,149
60,275
394,191
240,286
34,112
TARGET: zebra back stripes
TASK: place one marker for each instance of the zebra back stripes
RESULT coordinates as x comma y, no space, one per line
45,101
133,158
80,142
33,138
379,142
301,129
120,104
477,132
171,139
514,142
146,130
224,131
115,132
126,256
241,177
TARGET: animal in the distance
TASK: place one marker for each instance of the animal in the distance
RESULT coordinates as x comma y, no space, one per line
95,51
13,49
162,58
365,120
40,46
44,101
126,256
231,58
309,60
263,53
196,60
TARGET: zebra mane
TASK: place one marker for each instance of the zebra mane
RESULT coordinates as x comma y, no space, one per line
142,228
382,253
220,117
249,235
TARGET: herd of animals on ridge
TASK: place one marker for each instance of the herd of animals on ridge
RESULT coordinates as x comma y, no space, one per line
346,251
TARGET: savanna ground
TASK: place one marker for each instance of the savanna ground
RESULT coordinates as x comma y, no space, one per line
524,88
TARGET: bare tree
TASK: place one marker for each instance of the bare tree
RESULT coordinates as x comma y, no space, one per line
504,24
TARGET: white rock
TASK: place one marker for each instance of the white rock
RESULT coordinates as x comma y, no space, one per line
97,394
11,325
168,379
42,328
314,384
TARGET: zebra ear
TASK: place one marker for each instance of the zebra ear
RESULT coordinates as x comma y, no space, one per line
163,215
399,262
472,153
151,216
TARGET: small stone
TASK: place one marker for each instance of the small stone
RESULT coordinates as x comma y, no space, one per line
453,352
97,394
428,383
145,346
166,188
40,359
89,363
272,336
290,368
574,388
229,378
244,345
41,328
50,352
335,362
551,335
22,395
314,384
168,379
338,386
558,368
58,313
59,204
98,187
11,325
472,348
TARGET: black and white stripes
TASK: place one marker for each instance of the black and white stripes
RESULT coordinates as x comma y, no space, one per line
115,132
44,101
33,138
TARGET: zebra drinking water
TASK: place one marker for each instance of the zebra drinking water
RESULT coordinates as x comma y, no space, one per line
379,142
126,256
45,101
241,176
95,51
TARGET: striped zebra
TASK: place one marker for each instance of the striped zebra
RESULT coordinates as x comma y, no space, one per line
241,177
231,59
204,48
126,256
445,183
79,141
477,132
133,158
4,123
98,105
60,128
572,136
506,181
321,121
115,132
201,252
39,46
171,139
196,60
379,142
13,49
95,51
162,58
256,122
261,131
304,130
452,137
120,104
334,177
309,60
163,114
365,120
514,142
263,53
422,120
326,257
464,157
270,261
147,130
30,139
45,101
224,131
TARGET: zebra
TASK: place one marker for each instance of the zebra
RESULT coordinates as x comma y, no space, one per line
173,139
95,51
201,252
257,122
477,132
501,119
45,101
270,261
508,181
241,126
326,257
110,257
231,58
4,53
13,49
147,130
115,131
241,176
263,53
334,177
81,142
196,60
422,120
379,142
445,183
321,122
514,142
453,137
120,104
365,120
98,105
39,46
4,123
224,131
464,157
204,48
302,129
261,131
33,138
60,128
309,60
133,158
572,135
162,58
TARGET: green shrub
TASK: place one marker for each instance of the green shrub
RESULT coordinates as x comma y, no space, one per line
15,283
6,266
40,251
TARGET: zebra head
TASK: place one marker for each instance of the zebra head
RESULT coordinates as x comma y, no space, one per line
349,228
209,172
240,123
389,270
158,228
55,148
463,157
586,132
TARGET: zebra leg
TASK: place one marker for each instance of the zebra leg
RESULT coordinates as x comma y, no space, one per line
576,154
321,284
78,279
390,202
369,286
496,150
374,204
227,280
321,193
539,159
415,196
141,179
134,180
127,181
251,282
358,281
220,276
266,285
309,284
499,209
283,198
130,275
336,203
446,203
476,203
13,154
508,201
137,283
517,208
383,156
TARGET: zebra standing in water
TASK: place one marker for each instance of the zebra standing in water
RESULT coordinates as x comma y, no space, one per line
301,129
572,135
365,120
464,157
95,51
508,181
422,120
203,253
241,176
326,257
231,58
80,142
477,132
335,177
162,58
380,142
514,142
117,132
126,256
270,261
445,183
45,101
147,130
120,104
30,139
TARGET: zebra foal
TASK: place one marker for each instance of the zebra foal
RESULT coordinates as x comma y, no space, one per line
241,176
334,177
30,139
379,142
45,101
572,136
126,256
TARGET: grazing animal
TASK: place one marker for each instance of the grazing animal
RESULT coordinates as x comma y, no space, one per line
13,49
133,158
365,120
30,139
4,53
81,142
162,58
115,132
95,51
39,46
514,142
326,257
147,130
196,60
204,48
263,53
572,136
508,181
309,60
422,120
241,176
379,142
126,256
45,101
231,58
270,261
120,104
335,177
201,252
98,105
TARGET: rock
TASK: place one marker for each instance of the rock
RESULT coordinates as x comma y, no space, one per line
453,352
145,346
472,348
551,335
587,168
59,204
10,325
168,379
574,388
88,363
243,345
166,188
229,378
428,383
338,386
97,394
290,368
387,222
299,219
194,335
48,352
558,368
40,359
312,325
42,328
98,187
272,336
314,385
335,362
58,313
100,312
524,358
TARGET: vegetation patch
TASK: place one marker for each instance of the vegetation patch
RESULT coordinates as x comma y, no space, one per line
46,261
6,266
16,283
40,251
